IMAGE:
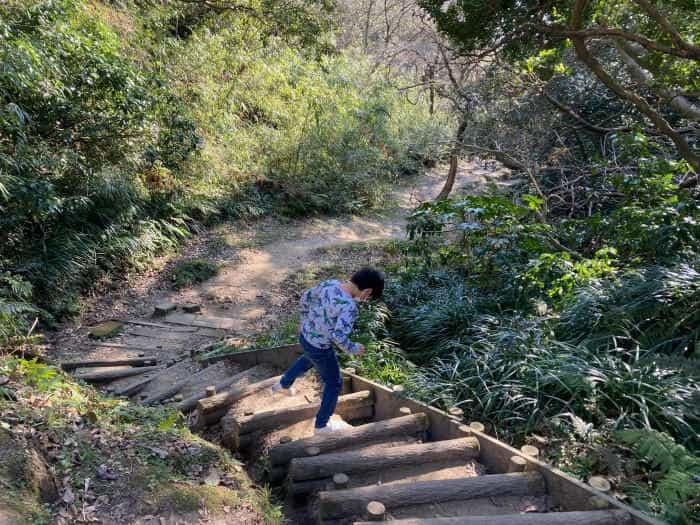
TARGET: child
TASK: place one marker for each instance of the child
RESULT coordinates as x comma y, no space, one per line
328,312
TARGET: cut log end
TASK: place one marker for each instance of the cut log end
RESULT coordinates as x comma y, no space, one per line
600,483
456,413
340,480
376,511
192,308
529,450
517,464
479,427
164,308
404,411
398,389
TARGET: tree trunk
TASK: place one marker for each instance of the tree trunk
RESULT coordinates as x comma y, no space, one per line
376,458
339,504
596,517
644,77
454,161
372,432
640,103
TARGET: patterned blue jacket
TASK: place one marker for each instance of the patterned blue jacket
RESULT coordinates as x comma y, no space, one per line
328,314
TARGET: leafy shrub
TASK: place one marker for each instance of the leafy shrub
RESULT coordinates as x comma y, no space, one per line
193,271
657,308
671,487
15,308
312,136
512,373
79,122
469,309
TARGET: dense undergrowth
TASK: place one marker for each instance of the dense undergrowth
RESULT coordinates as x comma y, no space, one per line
533,331
123,128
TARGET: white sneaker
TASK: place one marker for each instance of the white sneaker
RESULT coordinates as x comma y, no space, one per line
277,387
332,426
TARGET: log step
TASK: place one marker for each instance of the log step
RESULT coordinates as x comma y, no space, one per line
279,473
375,458
211,409
358,405
411,425
240,380
111,375
596,517
202,321
134,361
339,504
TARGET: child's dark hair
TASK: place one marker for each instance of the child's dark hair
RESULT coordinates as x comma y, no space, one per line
369,278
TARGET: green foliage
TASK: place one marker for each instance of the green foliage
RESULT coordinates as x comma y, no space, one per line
157,449
81,128
15,308
469,308
193,271
286,132
383,361
123,126
672,489
656,308
559,275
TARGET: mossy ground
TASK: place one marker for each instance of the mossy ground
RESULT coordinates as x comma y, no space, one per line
112,460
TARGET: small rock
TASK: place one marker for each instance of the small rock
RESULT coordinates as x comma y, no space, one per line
4,380
104,330
213,478
163,308
192,308
68,496
178,398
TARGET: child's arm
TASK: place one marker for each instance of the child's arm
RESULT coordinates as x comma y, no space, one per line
304,306
342,330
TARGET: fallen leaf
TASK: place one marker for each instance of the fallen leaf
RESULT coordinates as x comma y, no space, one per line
68,496
106,474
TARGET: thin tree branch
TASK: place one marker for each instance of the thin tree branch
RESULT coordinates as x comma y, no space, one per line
642,105
681,104
660,19
688,52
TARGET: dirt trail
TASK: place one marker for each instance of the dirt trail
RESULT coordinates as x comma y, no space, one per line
248,290
253,282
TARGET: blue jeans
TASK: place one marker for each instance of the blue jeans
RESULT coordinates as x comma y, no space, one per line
327,366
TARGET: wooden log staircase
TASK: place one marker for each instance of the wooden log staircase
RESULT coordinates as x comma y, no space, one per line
399,461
